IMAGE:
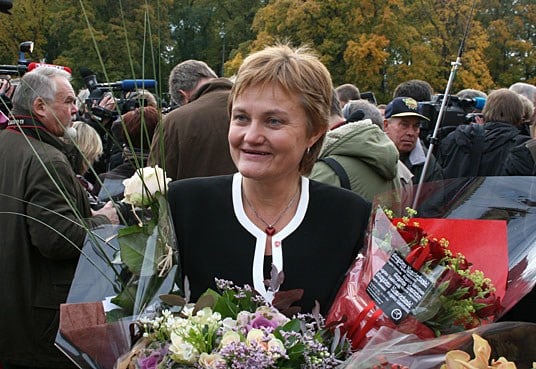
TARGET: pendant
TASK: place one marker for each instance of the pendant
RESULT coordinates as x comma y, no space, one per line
269,230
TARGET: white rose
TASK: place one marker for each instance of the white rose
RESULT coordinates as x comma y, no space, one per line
228,324
144,184
275,345
183,352
229,337
255,335
210,361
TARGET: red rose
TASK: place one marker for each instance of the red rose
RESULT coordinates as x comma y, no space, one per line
492,306
411,234
454,279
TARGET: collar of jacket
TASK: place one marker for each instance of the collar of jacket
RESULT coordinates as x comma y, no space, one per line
212,85
31,127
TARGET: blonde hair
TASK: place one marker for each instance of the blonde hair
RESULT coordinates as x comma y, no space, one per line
89,143
299,72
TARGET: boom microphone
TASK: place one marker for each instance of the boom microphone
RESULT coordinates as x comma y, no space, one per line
34,65
130,84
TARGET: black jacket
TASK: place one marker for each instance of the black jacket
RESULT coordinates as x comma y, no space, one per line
476,150
521,161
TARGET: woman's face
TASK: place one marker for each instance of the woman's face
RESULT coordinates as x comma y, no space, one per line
268,133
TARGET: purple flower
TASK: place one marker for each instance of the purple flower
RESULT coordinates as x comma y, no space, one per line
262,322
152,361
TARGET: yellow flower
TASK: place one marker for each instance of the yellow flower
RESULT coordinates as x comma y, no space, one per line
457,359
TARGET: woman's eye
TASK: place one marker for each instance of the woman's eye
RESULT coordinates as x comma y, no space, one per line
274,121
239,118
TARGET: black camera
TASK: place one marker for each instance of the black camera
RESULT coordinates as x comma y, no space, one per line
124,103
457,111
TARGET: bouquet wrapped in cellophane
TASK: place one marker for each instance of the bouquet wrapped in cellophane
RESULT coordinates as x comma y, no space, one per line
436,276
502,345
121,273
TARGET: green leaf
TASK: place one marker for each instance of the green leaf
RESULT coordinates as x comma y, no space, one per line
125,299
132,244
293,326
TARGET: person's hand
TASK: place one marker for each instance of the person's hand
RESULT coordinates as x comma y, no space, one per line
108,102
109,211
6,88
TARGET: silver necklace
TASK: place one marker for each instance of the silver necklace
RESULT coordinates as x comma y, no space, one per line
270,228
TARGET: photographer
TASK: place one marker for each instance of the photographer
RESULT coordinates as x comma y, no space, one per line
481,150
101,114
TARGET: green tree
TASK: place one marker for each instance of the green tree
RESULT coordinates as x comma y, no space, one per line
210,30
511,53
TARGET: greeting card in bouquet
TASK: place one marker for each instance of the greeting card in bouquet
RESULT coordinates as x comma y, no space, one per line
424,276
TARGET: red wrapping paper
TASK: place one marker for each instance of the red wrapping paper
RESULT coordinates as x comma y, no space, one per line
483,242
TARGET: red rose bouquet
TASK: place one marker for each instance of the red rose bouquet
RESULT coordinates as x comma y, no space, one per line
418,282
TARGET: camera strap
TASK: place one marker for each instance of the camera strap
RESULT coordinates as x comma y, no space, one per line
30,127
339,171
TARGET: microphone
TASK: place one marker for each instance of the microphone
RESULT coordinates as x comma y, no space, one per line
34,65
130,84
479,102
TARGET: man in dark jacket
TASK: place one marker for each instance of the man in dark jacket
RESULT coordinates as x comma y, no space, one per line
482,150
44,217
402,125
192,140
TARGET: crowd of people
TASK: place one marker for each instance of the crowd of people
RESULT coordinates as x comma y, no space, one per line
273,167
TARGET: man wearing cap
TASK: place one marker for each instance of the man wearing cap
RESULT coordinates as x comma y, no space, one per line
402,125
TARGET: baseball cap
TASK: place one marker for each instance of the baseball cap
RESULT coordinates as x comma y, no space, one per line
403,107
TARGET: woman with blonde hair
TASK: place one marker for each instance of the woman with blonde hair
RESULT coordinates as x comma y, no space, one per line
237,227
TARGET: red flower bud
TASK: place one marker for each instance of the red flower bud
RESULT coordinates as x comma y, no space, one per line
454,279
437,252
411,234
493,306
470,285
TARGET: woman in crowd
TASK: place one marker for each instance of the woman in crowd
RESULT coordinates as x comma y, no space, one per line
135,131
236,227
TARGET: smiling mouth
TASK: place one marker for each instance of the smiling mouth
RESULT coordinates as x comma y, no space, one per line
253,152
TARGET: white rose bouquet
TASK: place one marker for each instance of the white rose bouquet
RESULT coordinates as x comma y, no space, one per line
147,249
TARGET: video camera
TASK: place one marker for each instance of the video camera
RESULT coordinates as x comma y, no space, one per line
457,111
23,63
98,90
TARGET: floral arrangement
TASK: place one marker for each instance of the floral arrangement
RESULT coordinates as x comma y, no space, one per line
413,282
236,328
464,297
